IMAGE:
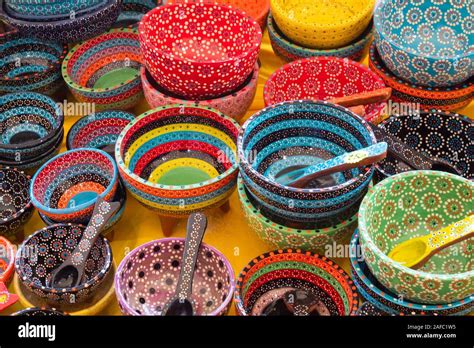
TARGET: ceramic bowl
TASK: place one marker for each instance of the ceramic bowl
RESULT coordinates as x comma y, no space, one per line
439,98
292,134
409,205
105,70
7,260
66,187
48,8
179,159
281,269
39,312
234,104
428,43
45,250
434,133
389,302
322,78
199,51
70,29
146,279
98,131
134,10
322,24
30,124
289,51
7,32
16,207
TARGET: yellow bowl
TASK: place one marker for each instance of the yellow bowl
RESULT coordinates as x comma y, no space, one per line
322,23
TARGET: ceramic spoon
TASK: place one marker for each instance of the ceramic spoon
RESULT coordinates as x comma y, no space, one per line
415,252
180,304
302,177
71,271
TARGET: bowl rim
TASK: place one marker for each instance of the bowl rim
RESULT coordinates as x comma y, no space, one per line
365,238
153,48
27,206
125,260
245,165
39,309
126,171
79,207
11,252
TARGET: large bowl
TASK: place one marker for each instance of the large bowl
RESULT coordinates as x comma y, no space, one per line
147,277
299,133
282,269
7,260
199,51
66,187
105,70
325,24
323,78
428,43
234,104
179,159
48,8
410,205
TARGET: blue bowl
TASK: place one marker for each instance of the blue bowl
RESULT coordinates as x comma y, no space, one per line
48,8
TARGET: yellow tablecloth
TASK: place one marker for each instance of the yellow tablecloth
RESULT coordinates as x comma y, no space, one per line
227,232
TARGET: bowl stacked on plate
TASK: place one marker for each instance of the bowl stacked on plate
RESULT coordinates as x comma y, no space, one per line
200,52
306,28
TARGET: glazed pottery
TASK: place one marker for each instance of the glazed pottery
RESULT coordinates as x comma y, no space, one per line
436,134
410,205
323,78
214,56
39,312
391,303
289,51
7,260
292,269
48,8
147,277
300,133
66,187
105,70
325,24
234,104
7,31
427,43
134,10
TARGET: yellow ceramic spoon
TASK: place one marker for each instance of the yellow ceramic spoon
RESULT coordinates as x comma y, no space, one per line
414,253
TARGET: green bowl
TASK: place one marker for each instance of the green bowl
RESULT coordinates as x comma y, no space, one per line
410,205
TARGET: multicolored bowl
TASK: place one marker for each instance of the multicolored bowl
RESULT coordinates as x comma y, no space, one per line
322,78
66,187
49,8
134,10
199,51
427,43
147,277
38,312
234,104
292,269
7,260
409,205
105,70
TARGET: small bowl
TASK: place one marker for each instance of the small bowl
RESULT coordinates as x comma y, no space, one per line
294,269
105,70
409,205
134,10
147,277
385,300
48,8
7,32
45,250
16,207
199,51
291,134
322,25
66,187
290,51
427,43
7,260
439,98
179,159
234,104
434,133
39,312
98,131
322,78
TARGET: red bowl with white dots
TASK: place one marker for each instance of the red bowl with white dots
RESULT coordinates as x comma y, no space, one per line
323,78
199,50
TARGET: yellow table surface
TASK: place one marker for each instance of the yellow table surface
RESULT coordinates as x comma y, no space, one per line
228,232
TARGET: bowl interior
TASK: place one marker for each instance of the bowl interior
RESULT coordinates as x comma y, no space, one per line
147,278
14,193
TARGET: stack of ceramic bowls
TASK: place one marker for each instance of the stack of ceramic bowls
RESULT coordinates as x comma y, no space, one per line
61,21
31,129
200,52
425,51
307,28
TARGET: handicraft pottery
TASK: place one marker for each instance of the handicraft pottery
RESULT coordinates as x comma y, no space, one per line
7,260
